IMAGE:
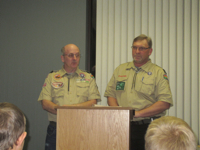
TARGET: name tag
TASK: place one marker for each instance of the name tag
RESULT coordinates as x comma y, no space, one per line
120,85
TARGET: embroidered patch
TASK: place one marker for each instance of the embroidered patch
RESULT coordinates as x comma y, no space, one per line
120,85
149,73
44,84
165,76
92,76
121,75
82,75
57,76
57,84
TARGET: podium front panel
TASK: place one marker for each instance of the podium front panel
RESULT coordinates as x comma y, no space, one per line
93,129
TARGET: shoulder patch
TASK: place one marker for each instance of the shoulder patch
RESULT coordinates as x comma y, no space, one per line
165,76
44,84
92,76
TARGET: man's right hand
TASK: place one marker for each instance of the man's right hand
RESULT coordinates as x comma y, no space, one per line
49,106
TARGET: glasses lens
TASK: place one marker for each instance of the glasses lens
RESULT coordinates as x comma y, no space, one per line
134,47
77,55
70,55
141,48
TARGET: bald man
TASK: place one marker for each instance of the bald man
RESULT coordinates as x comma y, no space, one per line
69,86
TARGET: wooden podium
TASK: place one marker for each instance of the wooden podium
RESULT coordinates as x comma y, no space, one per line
93,128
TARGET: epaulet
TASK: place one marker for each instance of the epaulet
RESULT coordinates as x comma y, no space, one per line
53,71
164,71
161,68
84,70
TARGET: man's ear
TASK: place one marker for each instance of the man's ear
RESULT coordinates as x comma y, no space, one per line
21,139
150,51
62,58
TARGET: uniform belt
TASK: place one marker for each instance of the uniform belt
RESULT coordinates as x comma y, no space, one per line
144,121
52,123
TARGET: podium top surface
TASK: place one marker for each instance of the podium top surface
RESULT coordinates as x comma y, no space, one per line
94,107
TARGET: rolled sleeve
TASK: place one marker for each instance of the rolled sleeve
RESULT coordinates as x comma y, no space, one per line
110,89
163,91
46,90
93,91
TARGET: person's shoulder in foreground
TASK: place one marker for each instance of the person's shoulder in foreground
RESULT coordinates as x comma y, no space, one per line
12,127
170,133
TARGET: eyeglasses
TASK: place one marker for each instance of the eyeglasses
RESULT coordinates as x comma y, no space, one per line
71,55
140,48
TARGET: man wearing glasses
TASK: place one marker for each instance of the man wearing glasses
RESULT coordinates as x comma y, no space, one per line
143,86
66,87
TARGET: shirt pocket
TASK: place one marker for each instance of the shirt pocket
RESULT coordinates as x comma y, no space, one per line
58,96
121,83
57,92
121,89
82,89
147,86
57,89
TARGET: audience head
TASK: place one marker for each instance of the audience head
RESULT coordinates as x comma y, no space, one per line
169,133
12,127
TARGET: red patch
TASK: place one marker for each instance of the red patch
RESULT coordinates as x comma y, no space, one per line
44,85
121,75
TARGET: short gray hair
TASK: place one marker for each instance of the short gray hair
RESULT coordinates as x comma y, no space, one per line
12,125
143,37
63,50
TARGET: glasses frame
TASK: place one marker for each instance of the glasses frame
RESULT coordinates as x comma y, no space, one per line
71,55
140,48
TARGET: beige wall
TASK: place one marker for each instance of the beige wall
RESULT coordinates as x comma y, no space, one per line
174,27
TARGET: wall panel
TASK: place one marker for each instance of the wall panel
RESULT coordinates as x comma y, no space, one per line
180,60
173,26
187,61
172,53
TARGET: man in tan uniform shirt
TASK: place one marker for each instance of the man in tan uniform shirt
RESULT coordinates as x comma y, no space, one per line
66,87
142,85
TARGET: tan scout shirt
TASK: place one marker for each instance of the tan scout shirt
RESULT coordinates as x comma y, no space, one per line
63,89
139,90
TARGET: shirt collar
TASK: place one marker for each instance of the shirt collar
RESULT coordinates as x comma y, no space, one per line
144,67
63,72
